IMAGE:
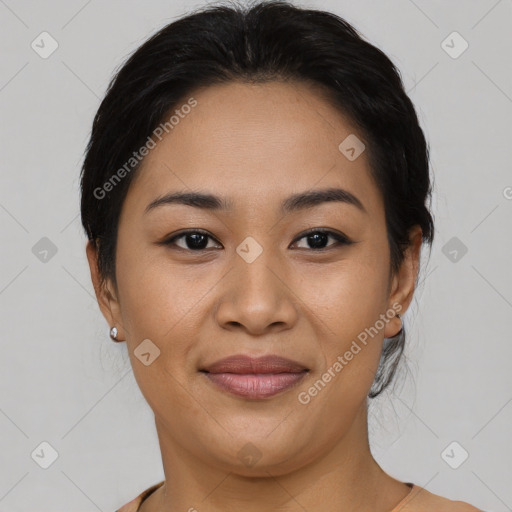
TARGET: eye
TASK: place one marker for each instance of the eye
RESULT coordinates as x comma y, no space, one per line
317,238
196,240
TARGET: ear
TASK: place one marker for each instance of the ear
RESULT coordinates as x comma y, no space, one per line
105,293
403,283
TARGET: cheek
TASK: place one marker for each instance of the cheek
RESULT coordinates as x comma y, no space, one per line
346,297
167,304
155,295
347,303
159,306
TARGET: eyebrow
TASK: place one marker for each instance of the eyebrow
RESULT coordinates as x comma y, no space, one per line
293,203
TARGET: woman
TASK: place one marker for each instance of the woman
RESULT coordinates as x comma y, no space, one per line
254,195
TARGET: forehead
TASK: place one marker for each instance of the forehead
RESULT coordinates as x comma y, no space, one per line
255,142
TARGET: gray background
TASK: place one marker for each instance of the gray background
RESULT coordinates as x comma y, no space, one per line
64,382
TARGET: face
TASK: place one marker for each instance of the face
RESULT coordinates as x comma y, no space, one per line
258,271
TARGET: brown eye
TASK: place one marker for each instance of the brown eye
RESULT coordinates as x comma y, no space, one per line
192,240
318,239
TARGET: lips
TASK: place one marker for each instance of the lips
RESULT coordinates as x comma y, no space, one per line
255,378
245,365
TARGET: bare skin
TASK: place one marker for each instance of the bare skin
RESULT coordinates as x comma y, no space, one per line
257,145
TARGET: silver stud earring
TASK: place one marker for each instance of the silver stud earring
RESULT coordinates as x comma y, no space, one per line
113,333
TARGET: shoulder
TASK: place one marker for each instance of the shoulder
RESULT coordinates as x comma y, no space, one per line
421,500
134,505
418,500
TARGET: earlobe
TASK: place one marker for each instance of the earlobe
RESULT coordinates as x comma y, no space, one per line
105,295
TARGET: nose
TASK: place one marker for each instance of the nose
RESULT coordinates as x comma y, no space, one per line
258,297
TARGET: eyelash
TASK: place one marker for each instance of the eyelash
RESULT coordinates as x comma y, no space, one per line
341,239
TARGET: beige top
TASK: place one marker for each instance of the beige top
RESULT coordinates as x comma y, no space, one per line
418,500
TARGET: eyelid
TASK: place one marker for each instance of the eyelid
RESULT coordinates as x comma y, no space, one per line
170,240
327,231
341,238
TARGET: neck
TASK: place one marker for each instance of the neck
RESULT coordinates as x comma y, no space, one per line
345,477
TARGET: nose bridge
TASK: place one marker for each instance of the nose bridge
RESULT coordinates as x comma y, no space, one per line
257,287
256,276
